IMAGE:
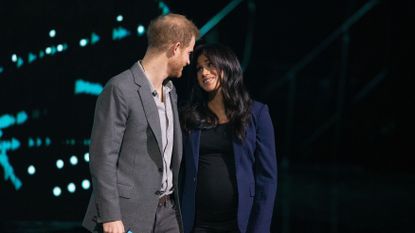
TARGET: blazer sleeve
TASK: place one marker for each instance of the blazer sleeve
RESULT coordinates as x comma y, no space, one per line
265,174
109,124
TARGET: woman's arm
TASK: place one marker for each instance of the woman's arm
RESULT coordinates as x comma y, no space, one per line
265,174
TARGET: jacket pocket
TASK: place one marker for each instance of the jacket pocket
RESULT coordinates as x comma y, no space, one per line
125,190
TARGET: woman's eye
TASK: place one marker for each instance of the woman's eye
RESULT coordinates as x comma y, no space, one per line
211,65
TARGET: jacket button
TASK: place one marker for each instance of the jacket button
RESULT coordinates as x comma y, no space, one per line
194,178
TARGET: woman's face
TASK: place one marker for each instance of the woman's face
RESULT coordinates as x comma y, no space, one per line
207,74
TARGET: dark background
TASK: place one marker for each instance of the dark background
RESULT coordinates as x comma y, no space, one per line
335,74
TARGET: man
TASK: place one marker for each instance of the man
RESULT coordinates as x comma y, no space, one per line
136,141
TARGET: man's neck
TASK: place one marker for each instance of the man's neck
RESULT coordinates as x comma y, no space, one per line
155,68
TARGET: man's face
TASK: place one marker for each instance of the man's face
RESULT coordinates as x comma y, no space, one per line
181,59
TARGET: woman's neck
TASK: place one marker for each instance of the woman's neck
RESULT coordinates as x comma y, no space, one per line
217,106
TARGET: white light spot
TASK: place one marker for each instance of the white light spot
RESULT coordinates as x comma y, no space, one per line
59,48
71,187
57,191
59,163
48,50
52,33
83,42
140,30
86,157
86,184
31,170
73,160
120,18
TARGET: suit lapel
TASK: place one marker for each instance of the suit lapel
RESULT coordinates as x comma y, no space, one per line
147,101
195,136
177,146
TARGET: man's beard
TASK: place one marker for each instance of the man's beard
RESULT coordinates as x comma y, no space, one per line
176,70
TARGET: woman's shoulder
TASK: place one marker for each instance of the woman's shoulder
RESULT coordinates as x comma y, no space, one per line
257,106
260,114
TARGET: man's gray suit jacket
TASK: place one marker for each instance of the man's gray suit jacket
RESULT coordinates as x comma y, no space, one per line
125,154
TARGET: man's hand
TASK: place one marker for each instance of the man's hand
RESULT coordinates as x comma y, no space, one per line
113,227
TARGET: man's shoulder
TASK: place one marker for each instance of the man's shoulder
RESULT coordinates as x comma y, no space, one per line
124,78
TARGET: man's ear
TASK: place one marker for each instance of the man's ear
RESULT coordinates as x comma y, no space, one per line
176,47
173,49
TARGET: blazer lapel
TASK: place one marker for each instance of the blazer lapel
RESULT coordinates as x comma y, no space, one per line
148,103
178,143
195,136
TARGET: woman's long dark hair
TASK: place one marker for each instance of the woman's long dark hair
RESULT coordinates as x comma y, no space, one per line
196,113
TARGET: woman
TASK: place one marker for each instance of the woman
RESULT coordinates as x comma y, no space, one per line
229,171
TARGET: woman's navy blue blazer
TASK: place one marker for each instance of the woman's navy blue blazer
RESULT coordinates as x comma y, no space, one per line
256,174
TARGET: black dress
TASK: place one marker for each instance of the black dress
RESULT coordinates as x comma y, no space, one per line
216,191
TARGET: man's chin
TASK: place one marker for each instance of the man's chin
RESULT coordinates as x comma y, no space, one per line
177,75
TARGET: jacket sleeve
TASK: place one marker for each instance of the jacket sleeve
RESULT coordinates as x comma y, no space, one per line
109,124
265,174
